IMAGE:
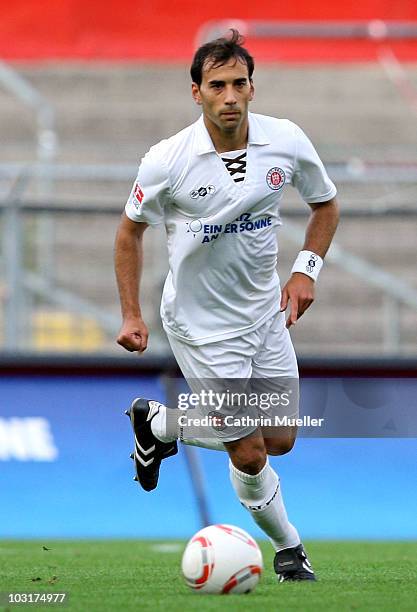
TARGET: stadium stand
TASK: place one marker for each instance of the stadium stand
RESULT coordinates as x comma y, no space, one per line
356,98
107,117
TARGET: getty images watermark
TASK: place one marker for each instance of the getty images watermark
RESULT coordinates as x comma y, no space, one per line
329,407
271,409
234,408
219,421
217,399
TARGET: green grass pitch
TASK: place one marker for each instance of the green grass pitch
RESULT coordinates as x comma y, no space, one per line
103,575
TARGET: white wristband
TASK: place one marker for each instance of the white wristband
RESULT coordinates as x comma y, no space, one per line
308,263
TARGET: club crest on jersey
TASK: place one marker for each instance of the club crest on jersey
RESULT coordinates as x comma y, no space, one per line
138,195
217,420
275,178
201,192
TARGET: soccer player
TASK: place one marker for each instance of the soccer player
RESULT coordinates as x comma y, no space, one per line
217,186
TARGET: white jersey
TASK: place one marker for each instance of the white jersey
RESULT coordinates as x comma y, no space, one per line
222,235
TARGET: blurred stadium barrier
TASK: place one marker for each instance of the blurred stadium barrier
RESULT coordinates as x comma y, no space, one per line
59,294
66,472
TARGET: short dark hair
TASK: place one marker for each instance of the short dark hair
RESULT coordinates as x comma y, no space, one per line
220,51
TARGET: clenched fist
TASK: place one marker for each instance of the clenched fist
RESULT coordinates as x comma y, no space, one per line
133,335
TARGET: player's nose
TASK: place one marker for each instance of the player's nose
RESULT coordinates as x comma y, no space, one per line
230,97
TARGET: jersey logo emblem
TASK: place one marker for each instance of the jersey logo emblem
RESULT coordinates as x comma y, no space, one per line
138,195
194,226
201,192
311,262
275,178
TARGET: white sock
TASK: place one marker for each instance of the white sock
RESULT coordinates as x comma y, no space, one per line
167,430
159,426
261,495
211,443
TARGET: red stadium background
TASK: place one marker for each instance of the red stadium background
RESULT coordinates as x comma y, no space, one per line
163,30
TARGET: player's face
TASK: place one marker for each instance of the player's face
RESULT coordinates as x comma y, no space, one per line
224,94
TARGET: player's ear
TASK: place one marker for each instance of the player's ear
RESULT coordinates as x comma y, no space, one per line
195,90
252,91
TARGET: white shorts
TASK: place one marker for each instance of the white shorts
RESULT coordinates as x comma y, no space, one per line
263,356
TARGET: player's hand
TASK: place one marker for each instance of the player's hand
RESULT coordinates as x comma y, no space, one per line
134,335
299,291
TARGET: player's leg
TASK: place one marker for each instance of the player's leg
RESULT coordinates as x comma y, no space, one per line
157,427
148,451
258,489
205,368
275,372
156,431
281,441
254,480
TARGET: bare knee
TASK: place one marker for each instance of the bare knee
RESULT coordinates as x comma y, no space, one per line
247,455
280,444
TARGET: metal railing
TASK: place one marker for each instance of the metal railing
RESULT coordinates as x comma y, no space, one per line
24,285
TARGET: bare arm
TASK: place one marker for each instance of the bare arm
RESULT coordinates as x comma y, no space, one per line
299,290
128,263
321,227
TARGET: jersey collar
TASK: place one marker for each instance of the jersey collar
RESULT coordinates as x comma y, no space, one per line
257,135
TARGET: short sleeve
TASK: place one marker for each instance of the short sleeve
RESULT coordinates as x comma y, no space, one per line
310,177
150,192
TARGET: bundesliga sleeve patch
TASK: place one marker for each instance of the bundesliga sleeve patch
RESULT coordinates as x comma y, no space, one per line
275,178
138,195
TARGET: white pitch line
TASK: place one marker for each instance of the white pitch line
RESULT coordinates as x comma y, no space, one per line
167,547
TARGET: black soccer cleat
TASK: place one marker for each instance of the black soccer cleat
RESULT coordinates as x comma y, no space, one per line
149,451
292,564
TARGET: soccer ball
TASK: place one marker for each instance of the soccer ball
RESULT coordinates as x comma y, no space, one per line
222,559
